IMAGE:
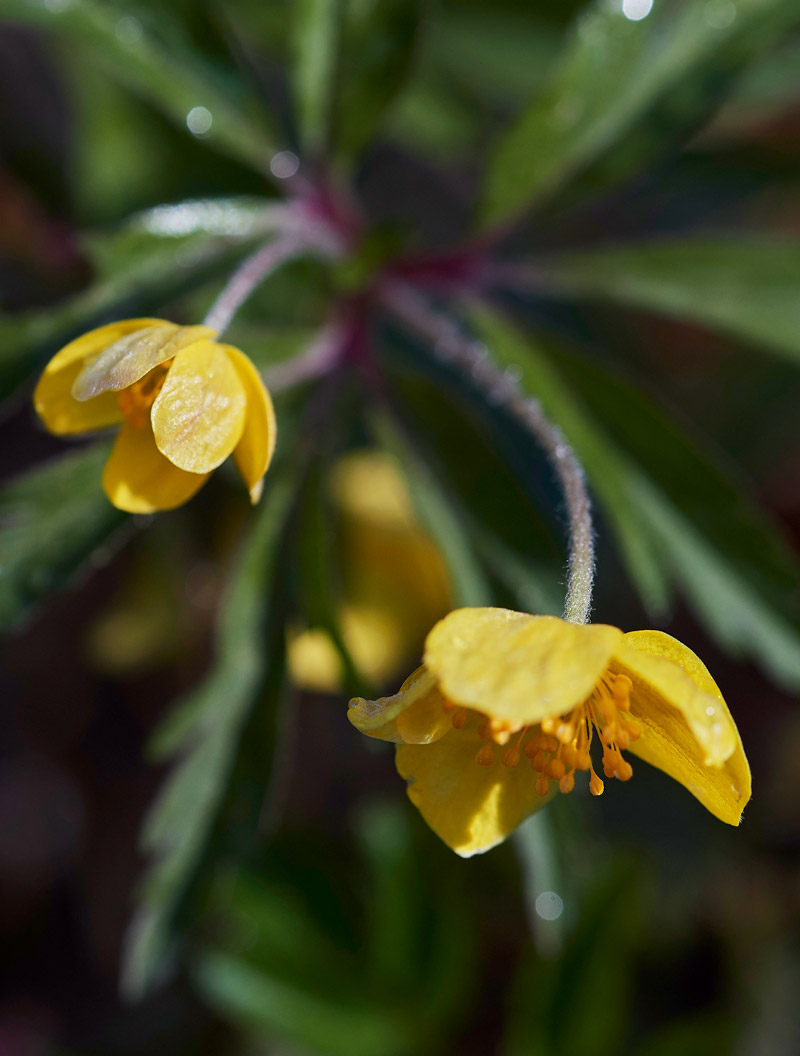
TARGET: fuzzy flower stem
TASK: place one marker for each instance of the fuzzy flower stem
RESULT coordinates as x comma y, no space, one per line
297,238
450,345
321,356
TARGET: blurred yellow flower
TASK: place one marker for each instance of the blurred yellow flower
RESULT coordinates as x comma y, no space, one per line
394,580
184,403
502,693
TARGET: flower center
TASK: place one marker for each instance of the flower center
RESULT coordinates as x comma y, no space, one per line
135,401
558,747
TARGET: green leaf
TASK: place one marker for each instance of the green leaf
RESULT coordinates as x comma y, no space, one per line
275,1006
377,48
52,520
612,73
162,69
209,728
139,265
745,286
315,32
578,1004
605,466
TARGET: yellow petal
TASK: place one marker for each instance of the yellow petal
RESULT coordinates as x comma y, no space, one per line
471,807
517,667
313,661
687,730
53,399
663,670
368,486
414,715
138,478
199,415
133,354
253,453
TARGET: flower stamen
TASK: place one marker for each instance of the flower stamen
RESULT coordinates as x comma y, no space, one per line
560,746
135,401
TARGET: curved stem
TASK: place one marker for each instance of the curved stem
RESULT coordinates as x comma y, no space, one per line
321,356
299,237
452,346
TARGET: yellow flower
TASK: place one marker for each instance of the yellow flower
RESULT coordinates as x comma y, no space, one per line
504,711
184,403
394,580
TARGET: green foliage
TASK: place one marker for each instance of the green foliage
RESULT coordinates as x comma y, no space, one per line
351,58
743,286
578,1003
378,39
392,984
612,73
208,728
161,67
314,68
52,521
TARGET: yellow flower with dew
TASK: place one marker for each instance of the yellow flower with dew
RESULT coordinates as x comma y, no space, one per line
184,403
509,709
394,579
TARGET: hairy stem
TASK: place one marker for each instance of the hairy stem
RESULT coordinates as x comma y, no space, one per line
452,346
298,237
321,356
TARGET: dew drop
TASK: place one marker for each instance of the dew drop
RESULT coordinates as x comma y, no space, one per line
636,10
128,30
719,14
549,905
284,165
199,120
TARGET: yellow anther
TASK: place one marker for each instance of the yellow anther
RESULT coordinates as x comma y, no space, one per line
624,770
555,769
622,686
560,745
485,756
511,757
539,761
567,782
459,718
